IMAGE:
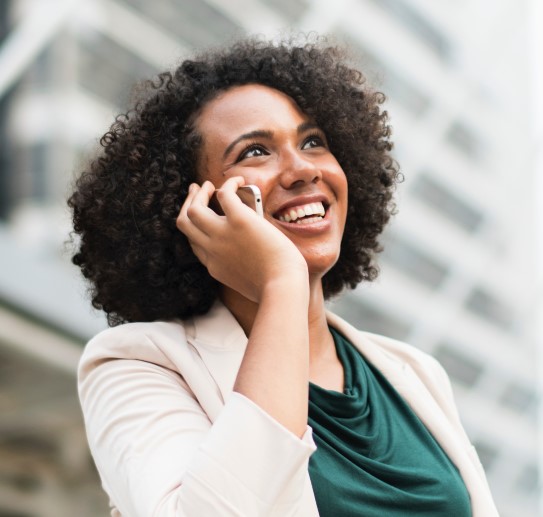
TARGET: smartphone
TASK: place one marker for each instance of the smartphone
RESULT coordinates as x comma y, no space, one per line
249,194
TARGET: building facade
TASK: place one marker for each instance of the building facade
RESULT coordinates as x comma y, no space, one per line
458,263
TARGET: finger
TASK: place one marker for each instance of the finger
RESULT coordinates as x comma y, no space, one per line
229,200
204,193
185,222
199,212
199,251
193,190
182,216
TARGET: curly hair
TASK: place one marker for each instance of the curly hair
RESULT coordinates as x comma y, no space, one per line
125,204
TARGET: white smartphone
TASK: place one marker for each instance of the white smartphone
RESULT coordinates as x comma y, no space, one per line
249,194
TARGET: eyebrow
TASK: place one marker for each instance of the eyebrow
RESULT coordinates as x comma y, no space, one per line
264,133
258,133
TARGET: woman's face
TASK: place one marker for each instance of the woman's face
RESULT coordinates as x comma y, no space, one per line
261,134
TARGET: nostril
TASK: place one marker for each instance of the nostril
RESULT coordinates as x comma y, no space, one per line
298,182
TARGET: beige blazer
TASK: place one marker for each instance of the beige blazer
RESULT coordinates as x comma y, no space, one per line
171,438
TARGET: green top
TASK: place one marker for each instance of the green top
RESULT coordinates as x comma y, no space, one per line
374,456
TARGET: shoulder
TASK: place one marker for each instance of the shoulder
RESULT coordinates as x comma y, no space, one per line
152,342
394,357
212,342
403,351
393,348
117,338
416,375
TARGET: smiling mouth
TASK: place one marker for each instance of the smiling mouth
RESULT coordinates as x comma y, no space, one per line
303,214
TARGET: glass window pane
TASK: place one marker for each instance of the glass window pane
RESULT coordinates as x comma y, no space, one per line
370,318
413,261
487,454
109,70
440,198
518,398
292,10
487,306
420,26
465,140
462,369
528,479
195,22
397,87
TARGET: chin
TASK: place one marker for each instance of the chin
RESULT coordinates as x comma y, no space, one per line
319,265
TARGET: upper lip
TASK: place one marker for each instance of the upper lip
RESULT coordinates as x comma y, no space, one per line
303,200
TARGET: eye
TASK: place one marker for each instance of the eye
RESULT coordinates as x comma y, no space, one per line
313,141
251,151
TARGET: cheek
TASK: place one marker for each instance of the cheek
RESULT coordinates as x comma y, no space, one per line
339,183
263,182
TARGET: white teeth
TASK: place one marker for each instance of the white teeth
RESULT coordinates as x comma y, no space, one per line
296,214
318,209
309,220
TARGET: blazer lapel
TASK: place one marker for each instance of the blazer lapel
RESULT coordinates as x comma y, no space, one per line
422,401
220,341
401,376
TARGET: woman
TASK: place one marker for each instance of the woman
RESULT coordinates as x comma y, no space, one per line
198,403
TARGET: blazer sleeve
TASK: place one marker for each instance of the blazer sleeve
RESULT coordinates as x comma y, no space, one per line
158,454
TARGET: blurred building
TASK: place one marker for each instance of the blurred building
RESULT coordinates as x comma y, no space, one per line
458,266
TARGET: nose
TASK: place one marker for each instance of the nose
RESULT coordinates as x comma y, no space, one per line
298,170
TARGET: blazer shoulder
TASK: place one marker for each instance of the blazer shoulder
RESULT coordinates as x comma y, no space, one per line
153,342
427,368
393,348
129,331
385,352
400,349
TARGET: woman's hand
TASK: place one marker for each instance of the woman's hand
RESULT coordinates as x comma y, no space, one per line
250,255
240,249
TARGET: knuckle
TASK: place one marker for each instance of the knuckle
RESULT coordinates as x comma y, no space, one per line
180,222
192,212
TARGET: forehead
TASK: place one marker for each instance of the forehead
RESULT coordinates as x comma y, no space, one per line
246,108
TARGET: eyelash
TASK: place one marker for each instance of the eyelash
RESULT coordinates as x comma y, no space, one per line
319,139
250,146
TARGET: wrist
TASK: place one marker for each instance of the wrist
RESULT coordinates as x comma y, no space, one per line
290,286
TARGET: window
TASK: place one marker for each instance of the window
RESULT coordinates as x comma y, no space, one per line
38,154
292,10
419,26
440,198
395,86
414,262
528,480
462,369
194,21
487,453
405,93
109,70
464,140
518,398
370,318
488,307
39,75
